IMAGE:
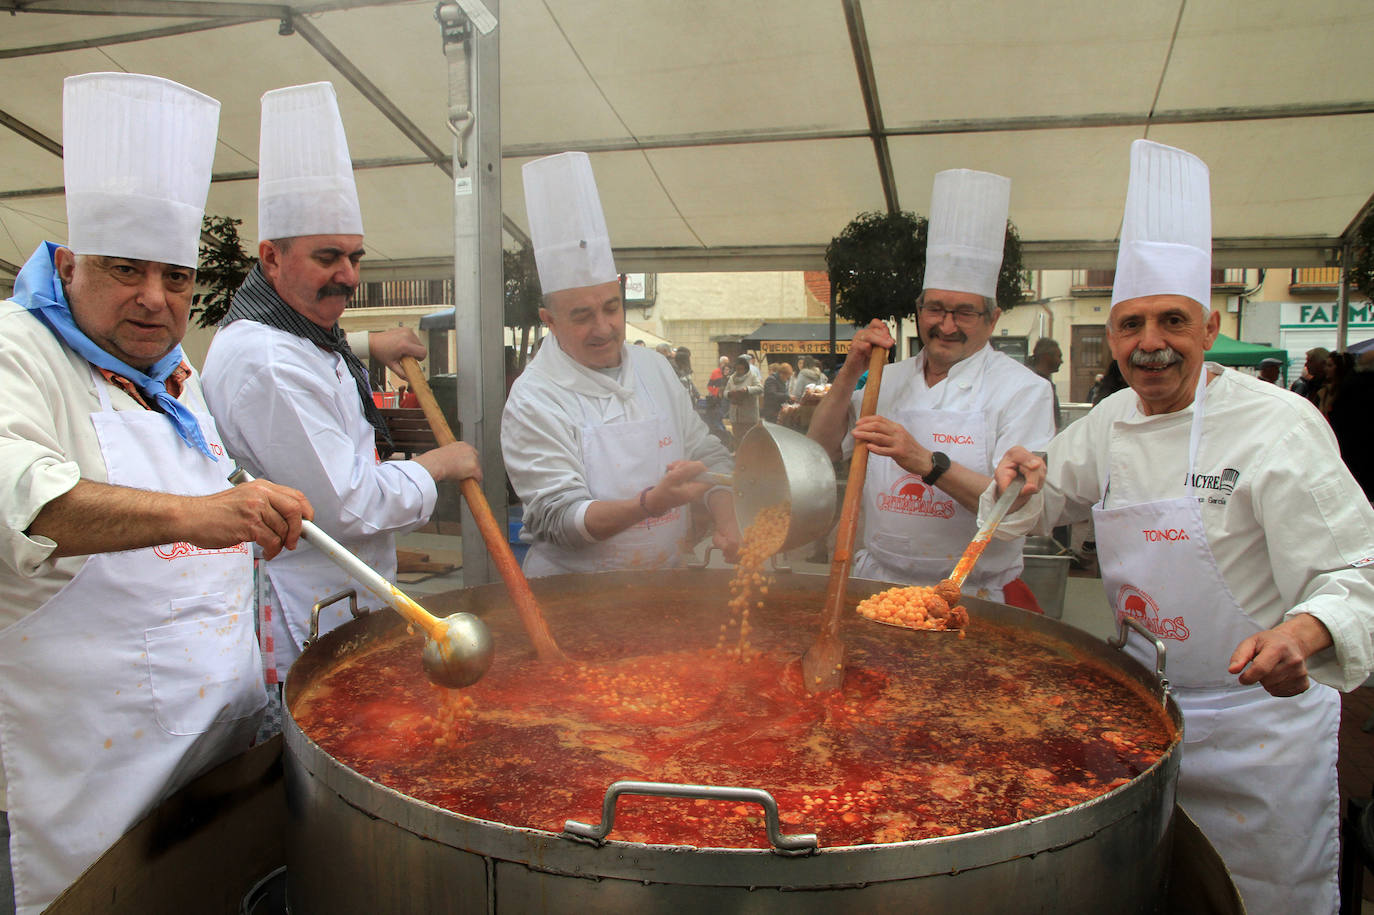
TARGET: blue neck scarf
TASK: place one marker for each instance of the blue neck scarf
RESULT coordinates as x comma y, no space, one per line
39,289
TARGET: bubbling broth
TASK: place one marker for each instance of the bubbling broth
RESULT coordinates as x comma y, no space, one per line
1002,726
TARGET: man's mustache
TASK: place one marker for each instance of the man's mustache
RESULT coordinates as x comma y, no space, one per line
1156,360
333,289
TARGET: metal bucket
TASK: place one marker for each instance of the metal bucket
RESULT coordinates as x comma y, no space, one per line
773,465
358,846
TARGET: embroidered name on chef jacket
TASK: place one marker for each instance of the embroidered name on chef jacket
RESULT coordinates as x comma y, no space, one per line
950,438
1133,602
1168,535
1224,482
910,496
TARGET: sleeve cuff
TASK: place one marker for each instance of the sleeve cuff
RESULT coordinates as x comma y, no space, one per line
577,519
1346,664
1017,523
429,491
45,481
357,341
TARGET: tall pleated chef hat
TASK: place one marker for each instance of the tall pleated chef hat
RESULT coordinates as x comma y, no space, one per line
136,157
567,227
305,175
968,229
1166,235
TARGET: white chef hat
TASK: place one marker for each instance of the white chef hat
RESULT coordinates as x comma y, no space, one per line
305,175
968,229
567,227
136,157
1166,235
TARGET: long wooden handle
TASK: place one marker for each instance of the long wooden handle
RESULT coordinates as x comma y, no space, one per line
531,617
853,494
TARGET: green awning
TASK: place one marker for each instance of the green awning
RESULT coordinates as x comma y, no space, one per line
1229,351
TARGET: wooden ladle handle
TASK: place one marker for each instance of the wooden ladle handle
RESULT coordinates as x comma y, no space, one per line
845,532
531,617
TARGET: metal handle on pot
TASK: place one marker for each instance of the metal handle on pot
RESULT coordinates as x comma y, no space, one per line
1119,641
314,633
803,844
779,565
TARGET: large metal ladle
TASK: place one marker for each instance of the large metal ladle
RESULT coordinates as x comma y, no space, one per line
531,617
775,465
458,648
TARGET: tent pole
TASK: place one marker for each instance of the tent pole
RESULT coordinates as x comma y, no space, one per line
1343,301
472,51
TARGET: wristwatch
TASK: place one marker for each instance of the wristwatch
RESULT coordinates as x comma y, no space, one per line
939,464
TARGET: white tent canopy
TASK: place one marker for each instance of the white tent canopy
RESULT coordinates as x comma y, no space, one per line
745,135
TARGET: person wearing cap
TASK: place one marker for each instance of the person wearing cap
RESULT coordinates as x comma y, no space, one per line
1227,526
128,663
601,442
1269,369
290,394
944,417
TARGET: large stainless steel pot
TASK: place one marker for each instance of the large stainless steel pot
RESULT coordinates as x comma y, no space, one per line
357,846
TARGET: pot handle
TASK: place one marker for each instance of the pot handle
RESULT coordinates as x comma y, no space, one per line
779,565
802,844
314,634
1119,641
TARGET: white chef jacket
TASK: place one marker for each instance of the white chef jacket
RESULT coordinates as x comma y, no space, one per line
541,431
1289,527
48,444
286,416
1017,406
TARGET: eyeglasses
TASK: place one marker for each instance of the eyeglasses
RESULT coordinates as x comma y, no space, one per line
964,314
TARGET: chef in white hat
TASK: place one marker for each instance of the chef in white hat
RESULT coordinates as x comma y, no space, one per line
1228,526
601,442
128,663
289,392
944,417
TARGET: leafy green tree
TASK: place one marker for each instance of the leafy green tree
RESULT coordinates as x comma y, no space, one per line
877,265
1361,270
523,296
223,267
877,268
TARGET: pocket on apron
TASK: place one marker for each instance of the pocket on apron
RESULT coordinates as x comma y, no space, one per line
204,671
1198,725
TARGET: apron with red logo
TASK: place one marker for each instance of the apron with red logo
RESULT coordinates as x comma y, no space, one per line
619,460
141,673
1258,772
915,533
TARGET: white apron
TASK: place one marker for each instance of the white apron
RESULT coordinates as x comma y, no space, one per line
620,459
303,577
914,533
1258,772
136,677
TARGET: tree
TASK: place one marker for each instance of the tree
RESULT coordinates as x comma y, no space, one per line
223,268
877,265
877,268
1361,270
523,297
